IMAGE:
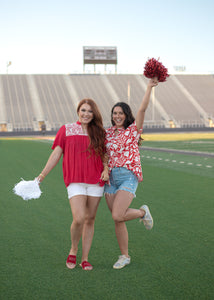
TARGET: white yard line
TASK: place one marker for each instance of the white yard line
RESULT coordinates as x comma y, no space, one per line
176,161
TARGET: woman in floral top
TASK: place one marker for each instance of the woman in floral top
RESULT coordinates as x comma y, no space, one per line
125,170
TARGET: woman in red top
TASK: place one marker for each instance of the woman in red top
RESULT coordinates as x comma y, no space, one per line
125,170
84,171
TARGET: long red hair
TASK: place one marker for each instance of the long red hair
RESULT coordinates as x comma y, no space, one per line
96,131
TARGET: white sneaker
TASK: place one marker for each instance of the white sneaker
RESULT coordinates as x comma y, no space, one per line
147,218
122,262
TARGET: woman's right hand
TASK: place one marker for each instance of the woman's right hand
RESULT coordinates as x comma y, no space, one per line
40,178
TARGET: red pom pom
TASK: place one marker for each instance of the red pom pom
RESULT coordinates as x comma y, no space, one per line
154,68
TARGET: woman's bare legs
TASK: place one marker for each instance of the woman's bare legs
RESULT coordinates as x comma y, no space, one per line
84,210
119,206
88,228
78,208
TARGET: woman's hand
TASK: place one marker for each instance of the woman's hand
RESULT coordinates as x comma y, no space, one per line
40,178
105,175
153,82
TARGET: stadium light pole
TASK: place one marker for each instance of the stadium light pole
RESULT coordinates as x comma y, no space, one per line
8,64
153,104
128,93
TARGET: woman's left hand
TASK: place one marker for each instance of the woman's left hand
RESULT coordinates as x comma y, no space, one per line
153,82
105,175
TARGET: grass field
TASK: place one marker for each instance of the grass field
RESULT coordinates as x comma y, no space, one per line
172,261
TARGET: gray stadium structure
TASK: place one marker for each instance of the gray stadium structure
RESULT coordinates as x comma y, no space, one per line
31,104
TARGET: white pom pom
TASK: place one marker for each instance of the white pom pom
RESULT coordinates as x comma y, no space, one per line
27,189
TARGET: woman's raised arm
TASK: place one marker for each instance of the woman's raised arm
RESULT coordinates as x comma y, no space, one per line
145,102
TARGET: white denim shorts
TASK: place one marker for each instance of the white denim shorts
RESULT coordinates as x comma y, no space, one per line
94,190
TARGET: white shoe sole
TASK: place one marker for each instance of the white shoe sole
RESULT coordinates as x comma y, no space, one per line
147,219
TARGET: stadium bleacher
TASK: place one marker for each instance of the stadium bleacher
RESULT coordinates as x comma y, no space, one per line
34,102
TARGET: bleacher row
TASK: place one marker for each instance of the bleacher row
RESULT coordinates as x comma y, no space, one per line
35,102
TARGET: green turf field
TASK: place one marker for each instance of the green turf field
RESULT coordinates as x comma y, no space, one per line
192,145
172,261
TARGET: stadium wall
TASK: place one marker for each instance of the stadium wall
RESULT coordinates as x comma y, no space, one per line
146,131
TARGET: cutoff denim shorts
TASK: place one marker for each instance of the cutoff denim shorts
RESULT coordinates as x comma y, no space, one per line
121,179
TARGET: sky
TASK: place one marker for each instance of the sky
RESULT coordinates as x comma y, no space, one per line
47,36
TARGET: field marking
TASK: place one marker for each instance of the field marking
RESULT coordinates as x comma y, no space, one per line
177,136
175,161
178,151
165,136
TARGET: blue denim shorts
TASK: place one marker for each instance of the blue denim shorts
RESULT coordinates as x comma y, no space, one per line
121,179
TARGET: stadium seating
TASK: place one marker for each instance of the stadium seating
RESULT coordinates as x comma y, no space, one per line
35,102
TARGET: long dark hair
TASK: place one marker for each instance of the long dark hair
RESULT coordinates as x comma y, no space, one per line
96,131
127,111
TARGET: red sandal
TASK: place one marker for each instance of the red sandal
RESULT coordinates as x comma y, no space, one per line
71,261
85,265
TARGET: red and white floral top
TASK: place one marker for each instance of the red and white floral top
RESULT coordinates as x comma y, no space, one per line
123,150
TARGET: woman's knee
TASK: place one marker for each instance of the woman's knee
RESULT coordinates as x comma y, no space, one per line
78,220
90,219
117,217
